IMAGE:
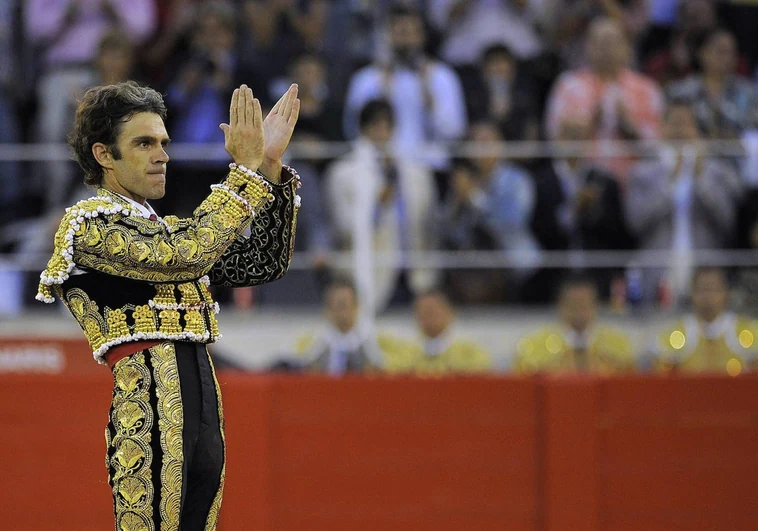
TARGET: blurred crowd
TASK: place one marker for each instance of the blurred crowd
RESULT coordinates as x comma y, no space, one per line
406,86
709,339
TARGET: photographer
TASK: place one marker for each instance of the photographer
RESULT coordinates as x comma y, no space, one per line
199,91
425,94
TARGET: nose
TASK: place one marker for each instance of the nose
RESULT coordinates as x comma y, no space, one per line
162,157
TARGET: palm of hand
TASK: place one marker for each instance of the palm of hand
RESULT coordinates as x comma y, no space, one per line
277,133
279,124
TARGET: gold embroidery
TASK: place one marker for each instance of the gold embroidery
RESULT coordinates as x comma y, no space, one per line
133,522
170,322
194,322
189,293
144,320
117,324
164,294
132,419
266,255
87,313
140,249
210,523
171,422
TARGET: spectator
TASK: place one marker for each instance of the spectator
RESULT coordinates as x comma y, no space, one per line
622,104
578,343
68,34
387,210
711,338
579,207
198,95
10,171
320,113
683,200
115,60
678,60
470,26
441,349
277,31
344,344
426,95
489,207
500,90
573,19
725,104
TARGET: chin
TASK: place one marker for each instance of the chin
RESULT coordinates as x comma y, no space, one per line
157,193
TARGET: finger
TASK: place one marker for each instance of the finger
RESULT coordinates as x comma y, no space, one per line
278,105
249,109
258,120
224,128
291,97
284,99
233,107
295,113
242,106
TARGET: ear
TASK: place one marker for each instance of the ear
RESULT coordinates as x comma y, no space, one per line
103,155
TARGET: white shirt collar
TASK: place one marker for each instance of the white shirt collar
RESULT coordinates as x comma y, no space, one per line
144,210
434,346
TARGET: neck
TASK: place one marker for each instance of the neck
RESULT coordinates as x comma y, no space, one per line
344,329
486,167
579,329
573,164
709,319
714,81
608,74
126,193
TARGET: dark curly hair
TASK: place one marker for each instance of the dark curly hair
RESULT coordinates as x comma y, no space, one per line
101,112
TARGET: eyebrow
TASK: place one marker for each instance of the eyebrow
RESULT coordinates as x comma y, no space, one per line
150,139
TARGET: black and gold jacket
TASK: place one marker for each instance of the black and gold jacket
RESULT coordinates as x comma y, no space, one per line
148,279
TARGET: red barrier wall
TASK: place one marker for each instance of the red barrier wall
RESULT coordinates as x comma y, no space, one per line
395,454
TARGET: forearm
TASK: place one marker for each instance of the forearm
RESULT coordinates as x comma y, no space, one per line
271,170
102,233
265,256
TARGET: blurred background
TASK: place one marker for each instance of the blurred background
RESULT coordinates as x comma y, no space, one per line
557,199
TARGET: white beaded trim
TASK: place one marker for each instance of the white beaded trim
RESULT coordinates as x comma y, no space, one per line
252,174
182,306
183,336
75,225
205,280
298,201
293,171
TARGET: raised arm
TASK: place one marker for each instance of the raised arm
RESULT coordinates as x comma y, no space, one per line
266,254
102,233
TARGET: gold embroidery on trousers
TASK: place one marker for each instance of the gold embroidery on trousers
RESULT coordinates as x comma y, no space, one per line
130,464
210,523
171,424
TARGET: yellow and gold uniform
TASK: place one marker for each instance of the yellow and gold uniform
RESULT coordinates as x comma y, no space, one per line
728,345
443,355
557,349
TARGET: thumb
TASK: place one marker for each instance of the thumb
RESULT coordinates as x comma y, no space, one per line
224,128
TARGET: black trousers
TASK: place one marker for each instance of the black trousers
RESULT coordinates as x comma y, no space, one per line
165,440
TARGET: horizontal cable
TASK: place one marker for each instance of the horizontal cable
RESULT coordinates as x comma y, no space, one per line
448,260
329,150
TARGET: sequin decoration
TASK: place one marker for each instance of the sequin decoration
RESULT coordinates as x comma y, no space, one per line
213,514
171,422
130,463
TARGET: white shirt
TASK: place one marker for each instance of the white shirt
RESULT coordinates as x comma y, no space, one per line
415,125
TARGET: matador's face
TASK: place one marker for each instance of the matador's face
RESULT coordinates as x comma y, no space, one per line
140,168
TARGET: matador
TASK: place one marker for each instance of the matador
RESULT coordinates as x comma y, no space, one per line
138,285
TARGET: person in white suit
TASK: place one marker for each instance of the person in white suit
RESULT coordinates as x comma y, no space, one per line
382,208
